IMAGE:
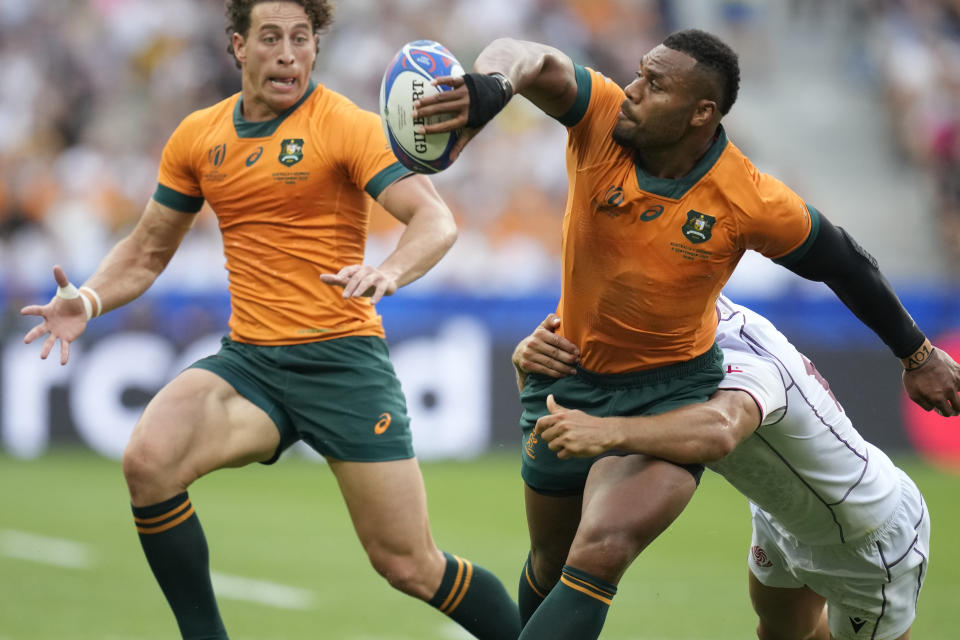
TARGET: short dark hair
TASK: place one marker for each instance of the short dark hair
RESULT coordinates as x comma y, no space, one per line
714,54
319,12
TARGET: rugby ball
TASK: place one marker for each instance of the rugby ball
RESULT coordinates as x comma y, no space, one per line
406,79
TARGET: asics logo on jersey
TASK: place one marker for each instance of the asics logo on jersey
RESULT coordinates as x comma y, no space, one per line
253,157
652,213
217,154
857,624
291,151
760,556
698,226
382,424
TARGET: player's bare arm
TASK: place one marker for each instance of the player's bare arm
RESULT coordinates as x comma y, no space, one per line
545,352
123,275
542,74
429,234
697,433
931,377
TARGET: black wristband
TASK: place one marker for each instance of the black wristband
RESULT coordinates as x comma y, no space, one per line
488,95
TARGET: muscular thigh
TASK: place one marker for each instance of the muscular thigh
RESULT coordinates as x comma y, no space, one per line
197,423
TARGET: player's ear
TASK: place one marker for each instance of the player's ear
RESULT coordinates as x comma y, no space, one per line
704,112
239,47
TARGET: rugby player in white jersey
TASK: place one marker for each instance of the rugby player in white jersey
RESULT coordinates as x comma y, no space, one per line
840,534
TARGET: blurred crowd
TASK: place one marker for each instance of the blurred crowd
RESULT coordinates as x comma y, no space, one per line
916,45
91,89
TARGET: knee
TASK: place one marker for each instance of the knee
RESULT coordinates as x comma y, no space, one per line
406,572
149,475
605,553
547,565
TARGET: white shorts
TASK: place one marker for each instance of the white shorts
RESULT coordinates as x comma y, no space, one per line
871,585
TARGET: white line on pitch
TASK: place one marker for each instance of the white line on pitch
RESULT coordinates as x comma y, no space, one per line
46,550
261,591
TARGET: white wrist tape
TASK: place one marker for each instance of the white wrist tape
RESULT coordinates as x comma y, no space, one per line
70,292
96,298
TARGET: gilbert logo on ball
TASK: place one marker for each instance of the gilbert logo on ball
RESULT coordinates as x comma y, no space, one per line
407,79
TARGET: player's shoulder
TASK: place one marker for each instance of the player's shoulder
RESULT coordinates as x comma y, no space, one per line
327,102
204,118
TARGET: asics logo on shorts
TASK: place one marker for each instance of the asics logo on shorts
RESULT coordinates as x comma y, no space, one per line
382,424
760,556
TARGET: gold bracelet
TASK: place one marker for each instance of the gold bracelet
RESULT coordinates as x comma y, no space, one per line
919,357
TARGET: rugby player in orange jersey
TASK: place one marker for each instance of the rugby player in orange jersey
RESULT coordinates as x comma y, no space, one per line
290,168
661,207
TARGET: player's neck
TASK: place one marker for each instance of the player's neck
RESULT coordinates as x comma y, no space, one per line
675,162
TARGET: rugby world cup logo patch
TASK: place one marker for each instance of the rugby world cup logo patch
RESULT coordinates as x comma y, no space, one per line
291,151
698,227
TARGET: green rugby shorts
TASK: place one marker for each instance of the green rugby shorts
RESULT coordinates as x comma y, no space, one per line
341,396
647,392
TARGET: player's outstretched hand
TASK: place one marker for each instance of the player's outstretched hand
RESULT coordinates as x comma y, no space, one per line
362,281
573,433
64,319
545,352
936,384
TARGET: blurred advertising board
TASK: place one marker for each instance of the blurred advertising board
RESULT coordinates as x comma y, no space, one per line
452,353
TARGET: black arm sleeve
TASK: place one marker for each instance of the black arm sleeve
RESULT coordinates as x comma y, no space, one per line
837,260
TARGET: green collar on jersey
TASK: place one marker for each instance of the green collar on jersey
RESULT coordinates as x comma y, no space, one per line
676,188
265,129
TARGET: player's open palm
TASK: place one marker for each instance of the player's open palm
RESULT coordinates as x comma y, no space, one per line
64,319
935,385
362,281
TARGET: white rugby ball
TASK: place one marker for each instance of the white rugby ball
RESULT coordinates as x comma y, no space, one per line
406,79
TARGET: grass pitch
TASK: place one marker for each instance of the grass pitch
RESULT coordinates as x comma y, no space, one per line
288,565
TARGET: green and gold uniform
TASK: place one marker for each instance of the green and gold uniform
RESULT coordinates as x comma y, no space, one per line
644,259
292,197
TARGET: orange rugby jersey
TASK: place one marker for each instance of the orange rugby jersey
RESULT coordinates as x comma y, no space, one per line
644,258
292,197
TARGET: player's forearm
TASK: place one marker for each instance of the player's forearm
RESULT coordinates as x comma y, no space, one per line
426,239
700,433
135,261
539,72
837,260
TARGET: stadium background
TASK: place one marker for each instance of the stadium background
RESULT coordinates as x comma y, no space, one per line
856,105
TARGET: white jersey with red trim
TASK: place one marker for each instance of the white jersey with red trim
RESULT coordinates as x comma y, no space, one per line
805,465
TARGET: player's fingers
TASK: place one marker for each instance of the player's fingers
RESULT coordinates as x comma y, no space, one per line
378,292
35,333
452,123
47,346
448,81
32,310
333,279
64,351
60,276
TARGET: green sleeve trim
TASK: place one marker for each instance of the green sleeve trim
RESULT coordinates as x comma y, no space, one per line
386,178
579,108
176,200
797,254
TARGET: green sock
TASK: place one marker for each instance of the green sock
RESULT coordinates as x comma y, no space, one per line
575,609
176,550
477,600
529,594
